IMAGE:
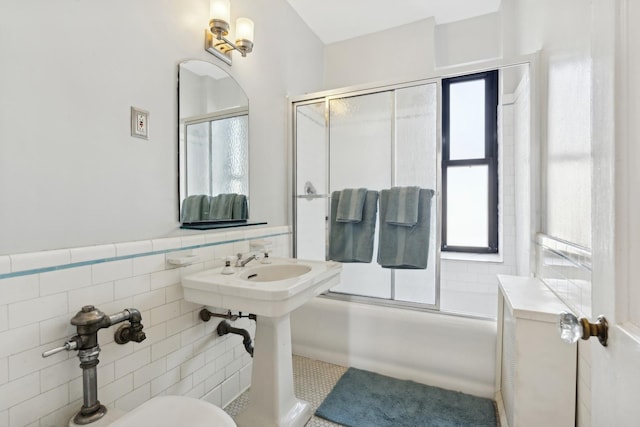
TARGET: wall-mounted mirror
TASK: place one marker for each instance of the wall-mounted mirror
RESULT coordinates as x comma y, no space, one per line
213,119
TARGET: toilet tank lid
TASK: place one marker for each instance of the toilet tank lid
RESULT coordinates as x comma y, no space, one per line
172,411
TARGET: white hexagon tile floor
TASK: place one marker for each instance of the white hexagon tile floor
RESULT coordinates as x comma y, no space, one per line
313,380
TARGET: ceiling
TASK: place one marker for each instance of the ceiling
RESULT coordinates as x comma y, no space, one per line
336,20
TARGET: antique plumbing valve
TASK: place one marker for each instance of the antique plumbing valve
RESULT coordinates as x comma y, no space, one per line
88,321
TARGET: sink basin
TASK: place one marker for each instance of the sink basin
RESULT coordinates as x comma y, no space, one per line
273,272
263,289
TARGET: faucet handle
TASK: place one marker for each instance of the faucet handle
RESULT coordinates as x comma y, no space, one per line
72,344
129,332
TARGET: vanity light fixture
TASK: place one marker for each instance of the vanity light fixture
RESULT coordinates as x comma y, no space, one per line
215,41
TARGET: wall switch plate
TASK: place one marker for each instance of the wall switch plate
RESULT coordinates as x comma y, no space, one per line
139,123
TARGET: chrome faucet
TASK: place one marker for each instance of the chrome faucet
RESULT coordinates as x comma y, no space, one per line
242,262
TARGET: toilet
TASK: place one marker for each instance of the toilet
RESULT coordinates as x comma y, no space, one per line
168,411
172,411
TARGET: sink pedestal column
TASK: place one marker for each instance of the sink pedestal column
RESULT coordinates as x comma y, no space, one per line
272,402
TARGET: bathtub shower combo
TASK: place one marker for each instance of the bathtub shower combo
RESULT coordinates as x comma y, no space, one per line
386,138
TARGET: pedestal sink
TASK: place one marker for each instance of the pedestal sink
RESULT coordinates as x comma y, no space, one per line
271,291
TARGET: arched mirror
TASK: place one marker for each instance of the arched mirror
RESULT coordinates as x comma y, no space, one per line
213,118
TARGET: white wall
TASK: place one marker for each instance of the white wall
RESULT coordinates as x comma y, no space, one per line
468,41
395,55
523,177
70,173
562,31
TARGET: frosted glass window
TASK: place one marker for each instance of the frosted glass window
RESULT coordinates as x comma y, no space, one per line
230,155
467,206
218,156
197,153
467,120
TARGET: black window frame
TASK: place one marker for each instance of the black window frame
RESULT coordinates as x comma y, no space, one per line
490,159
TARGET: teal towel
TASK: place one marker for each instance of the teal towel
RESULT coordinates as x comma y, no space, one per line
240,209
353,241
195,208
402,208
405,247
351,204
221,206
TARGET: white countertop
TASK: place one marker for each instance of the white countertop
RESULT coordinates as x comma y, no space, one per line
530,298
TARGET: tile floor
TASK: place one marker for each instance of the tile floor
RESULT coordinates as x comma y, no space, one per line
313,380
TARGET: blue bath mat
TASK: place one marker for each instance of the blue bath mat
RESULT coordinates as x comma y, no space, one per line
366,399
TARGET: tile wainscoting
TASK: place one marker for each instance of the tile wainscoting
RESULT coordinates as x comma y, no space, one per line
40,292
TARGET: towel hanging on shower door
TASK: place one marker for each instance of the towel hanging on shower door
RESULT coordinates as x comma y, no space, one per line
353,241
401,245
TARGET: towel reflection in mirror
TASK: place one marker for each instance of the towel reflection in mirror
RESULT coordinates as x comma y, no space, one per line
201,207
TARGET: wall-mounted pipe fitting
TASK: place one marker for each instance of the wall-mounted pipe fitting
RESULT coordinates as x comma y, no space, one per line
133,330
88,321
206,315
225,328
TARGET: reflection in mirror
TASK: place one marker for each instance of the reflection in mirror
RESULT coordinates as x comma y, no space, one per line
213,145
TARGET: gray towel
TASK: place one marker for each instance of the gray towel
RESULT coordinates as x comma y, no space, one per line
221,206
240,209
351,204
192,208
402,208
353,241
401,246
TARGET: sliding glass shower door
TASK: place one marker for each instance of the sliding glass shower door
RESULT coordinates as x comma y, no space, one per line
377,140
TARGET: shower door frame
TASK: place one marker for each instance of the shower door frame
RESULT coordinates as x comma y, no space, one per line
326,97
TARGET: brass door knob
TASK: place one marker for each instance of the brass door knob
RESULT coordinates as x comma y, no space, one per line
572,329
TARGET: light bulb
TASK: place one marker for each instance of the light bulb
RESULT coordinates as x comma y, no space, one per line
220,10
244,29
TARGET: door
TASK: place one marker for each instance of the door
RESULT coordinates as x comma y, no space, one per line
615,369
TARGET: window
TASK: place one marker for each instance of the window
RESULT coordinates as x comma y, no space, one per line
217,154
470,163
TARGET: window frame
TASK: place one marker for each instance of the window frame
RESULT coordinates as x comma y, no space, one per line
490,159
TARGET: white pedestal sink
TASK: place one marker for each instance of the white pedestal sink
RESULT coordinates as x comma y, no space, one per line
271,291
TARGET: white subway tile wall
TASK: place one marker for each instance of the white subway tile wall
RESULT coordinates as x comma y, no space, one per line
40,293
471,287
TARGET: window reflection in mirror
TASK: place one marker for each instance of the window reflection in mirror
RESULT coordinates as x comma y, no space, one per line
213,145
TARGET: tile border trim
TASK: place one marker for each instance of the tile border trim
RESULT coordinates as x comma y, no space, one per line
131,256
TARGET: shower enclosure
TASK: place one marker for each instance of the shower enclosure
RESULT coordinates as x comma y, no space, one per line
377,139
387,136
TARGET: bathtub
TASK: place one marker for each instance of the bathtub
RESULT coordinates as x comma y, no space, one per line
450,352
